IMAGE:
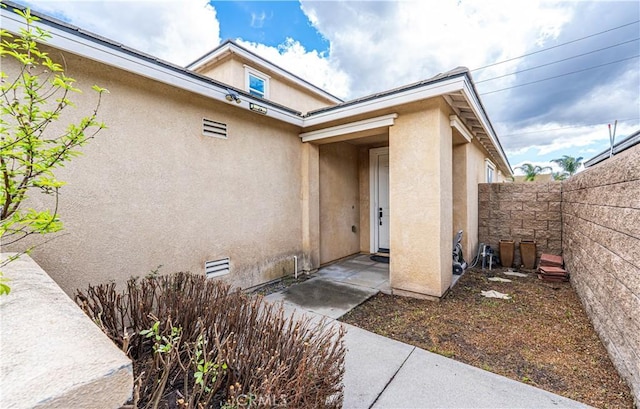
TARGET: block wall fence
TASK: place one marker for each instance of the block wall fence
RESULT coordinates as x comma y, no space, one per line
521,211
593,221
601,247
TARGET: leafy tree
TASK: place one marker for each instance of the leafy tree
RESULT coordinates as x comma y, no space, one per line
531,171
33,97
569,164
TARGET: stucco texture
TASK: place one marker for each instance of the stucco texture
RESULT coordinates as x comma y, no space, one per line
420,174
152,191
469,170
339,201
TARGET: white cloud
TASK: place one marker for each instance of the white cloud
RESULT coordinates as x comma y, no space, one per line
387,44
544,139
178,31
257,20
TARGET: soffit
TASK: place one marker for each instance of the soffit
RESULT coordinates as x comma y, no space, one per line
464,110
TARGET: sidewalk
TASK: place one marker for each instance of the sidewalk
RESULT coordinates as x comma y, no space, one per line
384,373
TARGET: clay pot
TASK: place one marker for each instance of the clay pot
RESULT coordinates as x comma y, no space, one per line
507,250
528,254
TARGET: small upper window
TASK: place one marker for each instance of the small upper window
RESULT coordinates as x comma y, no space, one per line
257,83
491,169
256,86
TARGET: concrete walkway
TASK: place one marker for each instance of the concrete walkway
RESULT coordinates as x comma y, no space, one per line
384,373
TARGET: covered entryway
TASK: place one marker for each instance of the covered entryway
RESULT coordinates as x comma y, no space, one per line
353,188
397,171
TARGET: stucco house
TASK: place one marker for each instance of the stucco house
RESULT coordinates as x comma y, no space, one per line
236,167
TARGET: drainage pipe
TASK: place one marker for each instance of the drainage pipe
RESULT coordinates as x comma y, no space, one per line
295,267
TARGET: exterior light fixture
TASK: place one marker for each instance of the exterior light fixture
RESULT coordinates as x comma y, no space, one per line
232,96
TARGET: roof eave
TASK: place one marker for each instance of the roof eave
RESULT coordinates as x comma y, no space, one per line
71,39
458,83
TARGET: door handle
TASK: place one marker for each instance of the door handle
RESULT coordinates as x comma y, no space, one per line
380,216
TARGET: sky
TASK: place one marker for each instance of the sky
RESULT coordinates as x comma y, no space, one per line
551,74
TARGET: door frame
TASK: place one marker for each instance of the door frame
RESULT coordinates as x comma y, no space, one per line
374,153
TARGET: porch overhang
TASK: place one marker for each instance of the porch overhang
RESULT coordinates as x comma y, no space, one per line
352,130
455,87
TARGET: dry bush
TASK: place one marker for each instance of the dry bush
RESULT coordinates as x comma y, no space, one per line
195,343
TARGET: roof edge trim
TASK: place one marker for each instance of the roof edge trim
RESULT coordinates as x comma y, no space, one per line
385,101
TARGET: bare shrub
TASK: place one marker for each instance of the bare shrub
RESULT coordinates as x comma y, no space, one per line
196,343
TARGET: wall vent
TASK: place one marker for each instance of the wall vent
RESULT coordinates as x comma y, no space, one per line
213,128
217,268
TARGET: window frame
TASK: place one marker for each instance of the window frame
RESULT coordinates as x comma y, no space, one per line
248,73
490,171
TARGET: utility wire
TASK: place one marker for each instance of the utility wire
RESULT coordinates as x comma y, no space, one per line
557,61
555,46
569,127
561,75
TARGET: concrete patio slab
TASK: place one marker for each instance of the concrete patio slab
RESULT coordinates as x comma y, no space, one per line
428,380
325,297
294,311
365,378
337,272
371,278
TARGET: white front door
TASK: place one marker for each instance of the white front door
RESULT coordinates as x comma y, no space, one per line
383,203
379,195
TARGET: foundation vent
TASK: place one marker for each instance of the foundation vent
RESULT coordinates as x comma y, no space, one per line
217,268
213,128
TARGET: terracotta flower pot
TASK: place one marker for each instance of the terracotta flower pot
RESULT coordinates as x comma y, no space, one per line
507,249
528,253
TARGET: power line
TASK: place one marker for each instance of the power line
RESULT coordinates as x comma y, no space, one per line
558,61
561,75
555,46
568,127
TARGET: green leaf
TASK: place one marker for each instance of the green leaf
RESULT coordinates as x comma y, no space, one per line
4,287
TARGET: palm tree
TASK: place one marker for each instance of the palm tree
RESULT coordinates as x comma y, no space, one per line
569,164
531,171
559,175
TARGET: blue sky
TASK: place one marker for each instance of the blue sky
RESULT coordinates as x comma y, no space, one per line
268,23
357,48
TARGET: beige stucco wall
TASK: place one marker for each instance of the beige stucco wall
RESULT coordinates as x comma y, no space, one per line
151,190
310,194
365,199
228,71
476,171
469,169
339,201
282,91
420,156
461,204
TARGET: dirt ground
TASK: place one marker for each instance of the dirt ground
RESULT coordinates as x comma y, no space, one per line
541,336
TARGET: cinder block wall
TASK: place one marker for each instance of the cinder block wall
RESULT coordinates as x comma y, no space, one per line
601,242
521,211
